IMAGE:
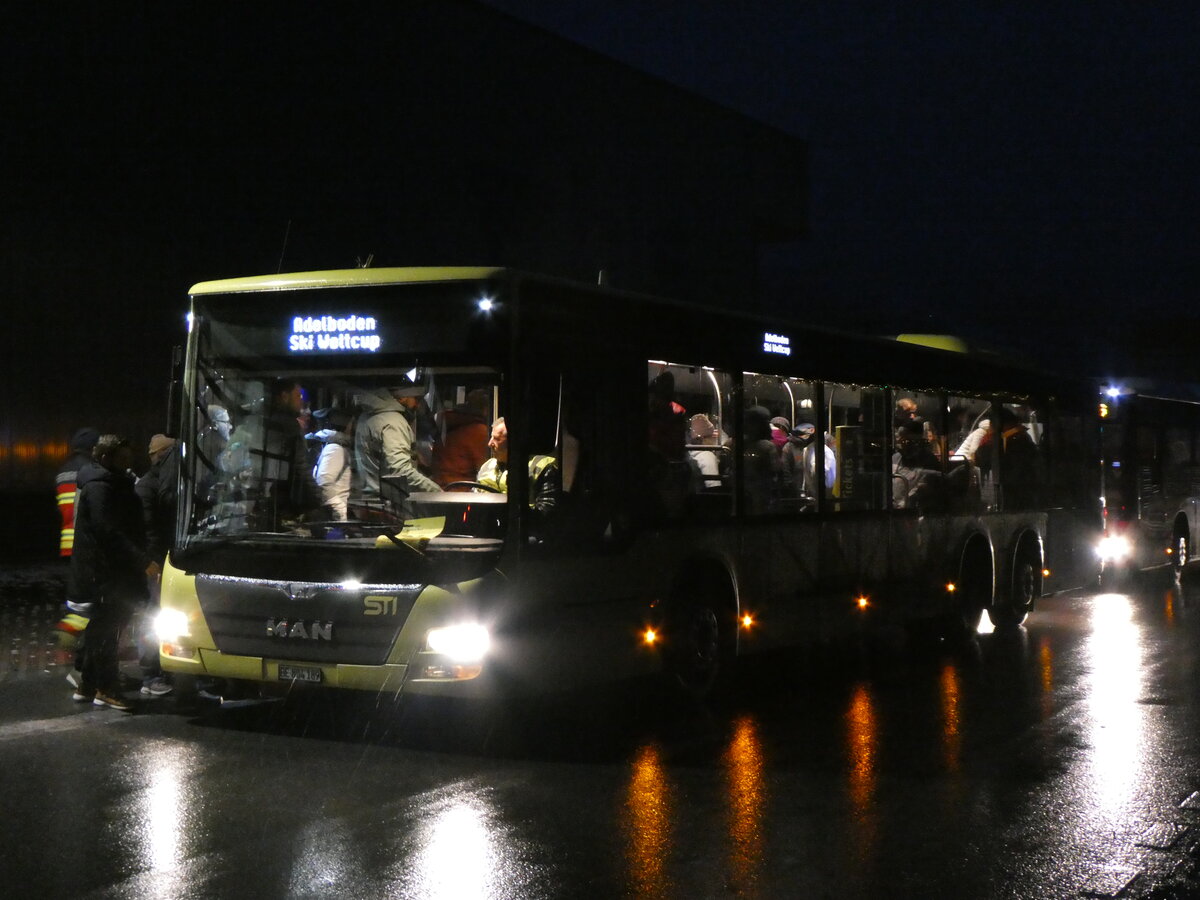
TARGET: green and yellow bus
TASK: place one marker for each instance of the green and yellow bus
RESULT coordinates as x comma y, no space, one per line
723,484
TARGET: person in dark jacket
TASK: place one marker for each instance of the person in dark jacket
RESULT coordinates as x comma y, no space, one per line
157,491
110,564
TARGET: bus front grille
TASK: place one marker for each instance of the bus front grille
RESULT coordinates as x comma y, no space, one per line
307,622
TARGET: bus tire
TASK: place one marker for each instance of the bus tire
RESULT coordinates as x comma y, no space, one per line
1015,604
698,645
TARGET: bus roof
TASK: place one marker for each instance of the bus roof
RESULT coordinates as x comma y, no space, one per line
299,281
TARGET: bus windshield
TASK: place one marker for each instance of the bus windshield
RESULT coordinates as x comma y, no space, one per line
336,425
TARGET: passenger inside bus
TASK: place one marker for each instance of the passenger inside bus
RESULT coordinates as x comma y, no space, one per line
706,459
543,471
668,467
332,470
263,463
463,447
385,450
1019,461
799,459
760,460
917,478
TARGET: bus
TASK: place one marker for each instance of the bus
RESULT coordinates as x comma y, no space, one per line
1151,481
722,485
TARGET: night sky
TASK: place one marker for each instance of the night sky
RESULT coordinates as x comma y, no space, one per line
1018,173
972,163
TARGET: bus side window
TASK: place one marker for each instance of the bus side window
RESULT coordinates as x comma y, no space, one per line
1010,454
689,466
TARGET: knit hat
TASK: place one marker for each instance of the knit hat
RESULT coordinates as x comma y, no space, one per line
160,444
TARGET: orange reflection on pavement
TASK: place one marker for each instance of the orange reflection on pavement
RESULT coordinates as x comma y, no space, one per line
1169,605
1046,675
648,828
862,739
951,735
745,770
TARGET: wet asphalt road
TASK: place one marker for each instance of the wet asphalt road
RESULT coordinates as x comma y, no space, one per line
1059,761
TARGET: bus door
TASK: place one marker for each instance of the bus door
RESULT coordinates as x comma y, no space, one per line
786,470
855,540
923,493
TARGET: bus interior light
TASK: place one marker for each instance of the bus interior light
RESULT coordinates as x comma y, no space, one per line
862,601
951,587
649,637
1045,573
486,304
747,621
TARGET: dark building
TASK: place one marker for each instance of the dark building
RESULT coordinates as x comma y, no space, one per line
443,133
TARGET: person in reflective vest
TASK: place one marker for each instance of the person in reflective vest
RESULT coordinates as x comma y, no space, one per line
82,443
543,471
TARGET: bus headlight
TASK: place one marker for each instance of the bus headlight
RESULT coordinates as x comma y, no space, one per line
460,643
1113,548
170,625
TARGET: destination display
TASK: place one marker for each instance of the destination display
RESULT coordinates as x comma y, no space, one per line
334,334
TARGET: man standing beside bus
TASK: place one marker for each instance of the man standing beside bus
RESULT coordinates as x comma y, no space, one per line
385,445
110,564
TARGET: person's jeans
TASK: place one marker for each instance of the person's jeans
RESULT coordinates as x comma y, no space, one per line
100,669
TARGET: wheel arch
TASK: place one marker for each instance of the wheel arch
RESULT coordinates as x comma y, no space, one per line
712,577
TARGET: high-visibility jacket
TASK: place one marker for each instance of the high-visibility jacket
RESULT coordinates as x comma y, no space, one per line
542,484
64,492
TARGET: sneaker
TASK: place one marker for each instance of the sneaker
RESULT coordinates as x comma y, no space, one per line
112,700
82,696
157,687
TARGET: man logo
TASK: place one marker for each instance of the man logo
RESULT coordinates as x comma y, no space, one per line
315,631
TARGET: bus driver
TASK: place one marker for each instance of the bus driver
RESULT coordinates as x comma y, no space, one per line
543,471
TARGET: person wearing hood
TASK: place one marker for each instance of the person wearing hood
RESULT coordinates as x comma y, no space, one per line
760,460
332,469
82,443
110,564
385,445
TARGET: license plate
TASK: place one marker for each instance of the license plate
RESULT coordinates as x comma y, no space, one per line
299,673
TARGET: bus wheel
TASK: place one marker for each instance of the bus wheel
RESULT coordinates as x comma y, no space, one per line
1010,610
695,655
1179,559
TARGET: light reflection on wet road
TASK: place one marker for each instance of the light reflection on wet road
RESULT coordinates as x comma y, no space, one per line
1056,761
